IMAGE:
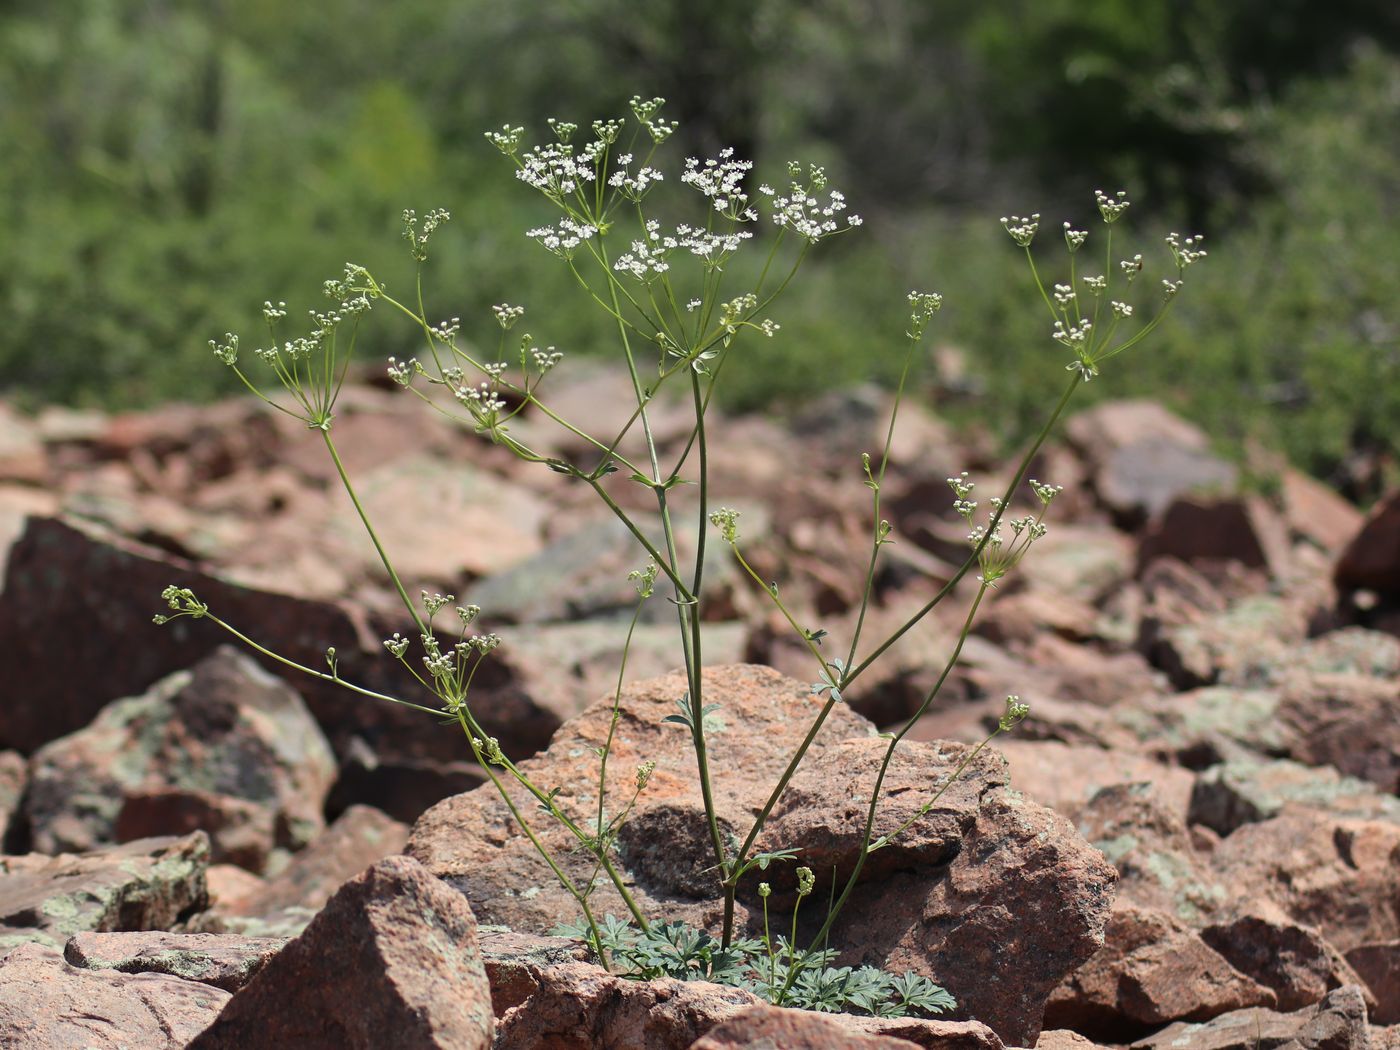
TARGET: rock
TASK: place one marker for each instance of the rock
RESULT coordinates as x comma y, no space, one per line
1152,850
1292,960
46,1004
1338,874
441,520
955,914
287,901
1245,530
226,962
146,885
22,455
392,960
1348,721
978,846
772,1026
518,963
1202,727
120,586
1083,562
1246,791
1247,646
13,774
401,788
1379,966
1066,776
580,1007
225,747
1371,561
1141,457
1064,1039
1336,1023
1150,971
1316,513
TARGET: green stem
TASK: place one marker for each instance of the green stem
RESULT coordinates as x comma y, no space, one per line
373,536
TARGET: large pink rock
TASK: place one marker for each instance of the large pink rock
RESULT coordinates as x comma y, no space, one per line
392,960
225,747
47,1004
1152,970
1371,560
953,875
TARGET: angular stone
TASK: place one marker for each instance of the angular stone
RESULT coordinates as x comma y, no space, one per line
1336,1023
227,962
1317,513
392,960
1295,961
146,885
1066,776
1371,561
581,1007
1348,721
120,583
46,1004
1245,791
1141,457
1338,874
772,1026
954,911
1245,530
1151,970
1152,850
225,747
1379,966
287,901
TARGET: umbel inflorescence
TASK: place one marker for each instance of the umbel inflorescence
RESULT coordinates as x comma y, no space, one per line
680,304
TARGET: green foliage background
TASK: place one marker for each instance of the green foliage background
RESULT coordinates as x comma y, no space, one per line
169,165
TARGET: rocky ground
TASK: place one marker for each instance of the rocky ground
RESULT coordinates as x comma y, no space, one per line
1192,844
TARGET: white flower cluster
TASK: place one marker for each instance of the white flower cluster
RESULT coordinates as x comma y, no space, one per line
806,215
1063,294
1022,229
1076,336
1112,208
923,305
1097,284
1186,251
545,359
564,238
416,235
507,140
555,171
721,179
1131,267
633,187
403,372
507,315
1075,239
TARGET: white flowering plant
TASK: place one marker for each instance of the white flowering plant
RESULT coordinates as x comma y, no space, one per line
679,310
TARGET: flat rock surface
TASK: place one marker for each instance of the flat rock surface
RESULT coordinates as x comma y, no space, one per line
227,962
48,1004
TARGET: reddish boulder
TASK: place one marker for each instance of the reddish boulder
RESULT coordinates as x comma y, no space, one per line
772,1026
224,747
392,960
1371,561
1336,1023
1245,530
1379,966
981,846
1338,874
146,885
1292,960
47,1004
1151,970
